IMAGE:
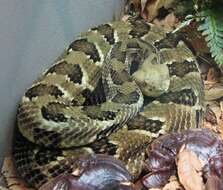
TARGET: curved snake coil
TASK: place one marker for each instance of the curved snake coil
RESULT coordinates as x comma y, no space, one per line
116,87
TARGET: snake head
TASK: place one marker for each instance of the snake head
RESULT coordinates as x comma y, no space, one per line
153,79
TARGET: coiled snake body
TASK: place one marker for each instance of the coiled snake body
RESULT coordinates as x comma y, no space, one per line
118,86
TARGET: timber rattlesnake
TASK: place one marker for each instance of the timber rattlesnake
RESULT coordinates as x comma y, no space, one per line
118,86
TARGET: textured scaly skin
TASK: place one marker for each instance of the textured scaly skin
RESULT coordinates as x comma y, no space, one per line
107,78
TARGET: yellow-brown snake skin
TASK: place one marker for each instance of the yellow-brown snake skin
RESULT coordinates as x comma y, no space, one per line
117,87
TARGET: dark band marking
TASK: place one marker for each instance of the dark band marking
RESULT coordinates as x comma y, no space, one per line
103,146
59,169
74,102
23,114
109,115
133,45
188,121
116,78
120,77
97,114
24,158
87,47
107,31
22,150
117,53
139,29
170,41
95,97
45,156
153,126
43,89
73,71
55,106
181,69
48,138
76,75
53,115
136,60
148,100
108,131
143,123
185,97
198,116
87,93
36,177
126,99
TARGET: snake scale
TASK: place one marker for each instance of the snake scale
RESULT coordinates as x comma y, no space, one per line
116,88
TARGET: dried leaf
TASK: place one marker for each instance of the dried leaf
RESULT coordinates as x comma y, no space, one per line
210,116
12,180
189,170
213,91
212,75
214,183
152,7
143,4
196,39
138,184
173,184
216,108
136,4
221,125
186,22
168,23
221,106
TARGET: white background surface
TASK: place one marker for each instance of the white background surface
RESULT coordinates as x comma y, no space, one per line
32,34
